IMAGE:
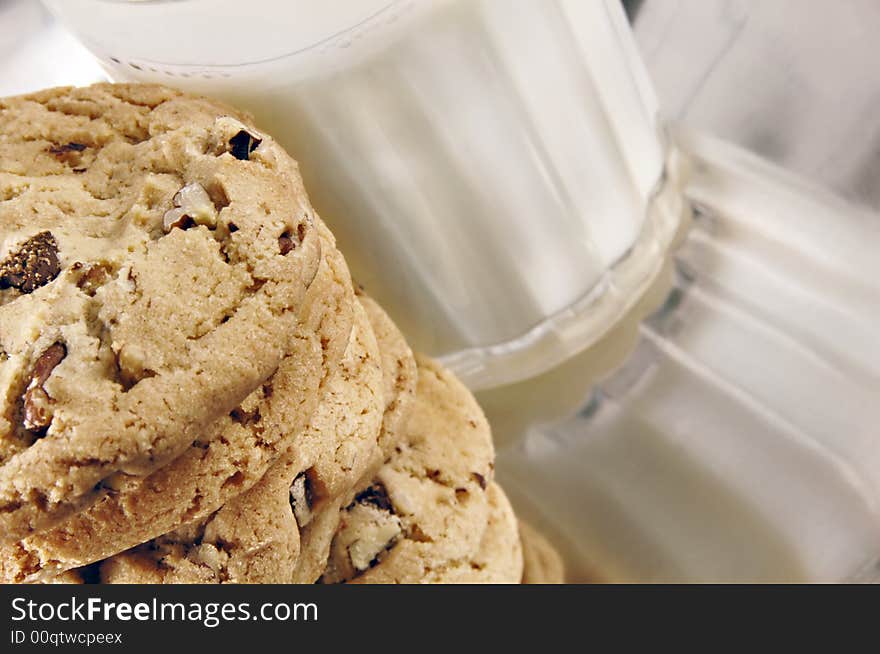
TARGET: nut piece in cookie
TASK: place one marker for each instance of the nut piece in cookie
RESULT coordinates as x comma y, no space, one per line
192,206
37,403
32,265
90,276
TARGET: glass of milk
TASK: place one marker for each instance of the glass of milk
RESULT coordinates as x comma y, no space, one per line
494,170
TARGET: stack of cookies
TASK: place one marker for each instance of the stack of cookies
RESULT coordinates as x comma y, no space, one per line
192,388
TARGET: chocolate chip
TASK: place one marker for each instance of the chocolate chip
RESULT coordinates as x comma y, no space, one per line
375,495
37,403
245,418
67,147
310,490
33,265
69,153
285,243
303,497
242,144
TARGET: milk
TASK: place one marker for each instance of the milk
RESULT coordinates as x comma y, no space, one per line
490,168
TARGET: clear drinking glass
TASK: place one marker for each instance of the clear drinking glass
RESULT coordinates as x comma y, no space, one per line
739,441
494,171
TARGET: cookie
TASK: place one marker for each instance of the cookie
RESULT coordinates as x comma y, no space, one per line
231,457
499,559
155,253
542,564
426,512
399,376
255,537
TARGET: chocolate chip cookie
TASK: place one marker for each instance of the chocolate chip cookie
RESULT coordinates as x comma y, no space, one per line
499,558
399,377
155,253
426,514
233,454
255,537
542,564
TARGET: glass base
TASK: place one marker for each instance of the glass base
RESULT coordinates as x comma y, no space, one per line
738,441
